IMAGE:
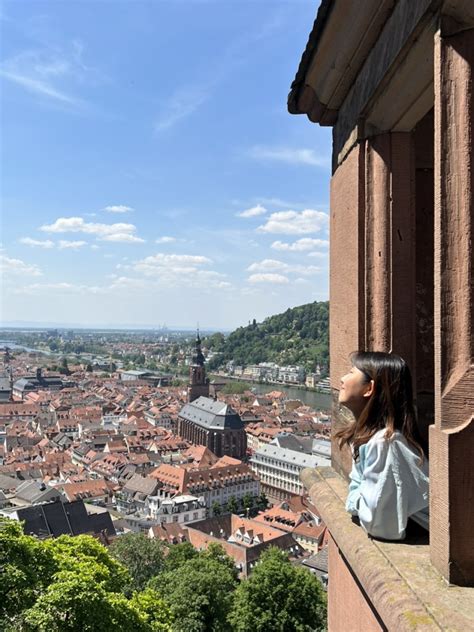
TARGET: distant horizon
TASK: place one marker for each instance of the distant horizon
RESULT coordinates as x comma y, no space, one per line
38,325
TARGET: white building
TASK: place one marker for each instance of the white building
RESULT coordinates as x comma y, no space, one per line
279,468
291,374
180,509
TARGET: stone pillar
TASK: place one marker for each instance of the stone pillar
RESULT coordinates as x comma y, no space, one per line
452,436
390,245
346,300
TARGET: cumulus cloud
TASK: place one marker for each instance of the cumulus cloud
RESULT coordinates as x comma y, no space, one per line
61,288
64,244
165,240
124,238
318,255
178,270
274,265
173,262
18,267
268,278
301,245
28,241
268,264
255,211
118,208
289,155
295,223
119,232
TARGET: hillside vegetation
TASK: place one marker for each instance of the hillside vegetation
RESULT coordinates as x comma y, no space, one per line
298,336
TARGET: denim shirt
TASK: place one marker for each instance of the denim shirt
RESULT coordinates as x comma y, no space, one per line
389,484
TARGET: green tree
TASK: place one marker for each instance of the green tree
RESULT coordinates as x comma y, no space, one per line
262,501
199,593
179,554
232,505
142,556
77,603
247,501
216,508
280,597
27,569
156,613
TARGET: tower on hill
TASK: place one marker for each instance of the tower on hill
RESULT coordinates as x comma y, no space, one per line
198,382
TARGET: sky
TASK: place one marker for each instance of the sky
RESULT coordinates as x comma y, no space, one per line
151,173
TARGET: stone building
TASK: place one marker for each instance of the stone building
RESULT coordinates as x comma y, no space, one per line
214,424
394,79
198,382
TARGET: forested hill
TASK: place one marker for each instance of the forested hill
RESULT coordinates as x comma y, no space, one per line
298,336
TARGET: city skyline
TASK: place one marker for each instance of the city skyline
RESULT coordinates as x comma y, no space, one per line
151,171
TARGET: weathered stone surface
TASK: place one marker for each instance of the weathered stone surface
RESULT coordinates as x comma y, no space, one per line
404,588
400,30
452,439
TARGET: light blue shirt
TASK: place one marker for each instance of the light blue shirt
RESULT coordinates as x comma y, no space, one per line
389,484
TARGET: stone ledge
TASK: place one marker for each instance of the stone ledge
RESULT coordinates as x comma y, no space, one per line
398,577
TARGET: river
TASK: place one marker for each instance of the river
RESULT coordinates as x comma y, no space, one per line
317,401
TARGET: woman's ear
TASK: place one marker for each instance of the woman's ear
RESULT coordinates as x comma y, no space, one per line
370,389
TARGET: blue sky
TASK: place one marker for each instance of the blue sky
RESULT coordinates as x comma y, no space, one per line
151,172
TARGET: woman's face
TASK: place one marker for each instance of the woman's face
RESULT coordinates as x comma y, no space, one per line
355,389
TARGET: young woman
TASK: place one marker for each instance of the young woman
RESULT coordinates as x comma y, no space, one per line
389,477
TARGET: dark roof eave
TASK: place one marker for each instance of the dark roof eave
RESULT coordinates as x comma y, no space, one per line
302,99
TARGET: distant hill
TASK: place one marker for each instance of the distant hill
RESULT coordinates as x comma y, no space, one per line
298,336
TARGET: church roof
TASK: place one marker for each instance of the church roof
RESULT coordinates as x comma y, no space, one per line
211,414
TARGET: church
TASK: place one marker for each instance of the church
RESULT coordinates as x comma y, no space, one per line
209,422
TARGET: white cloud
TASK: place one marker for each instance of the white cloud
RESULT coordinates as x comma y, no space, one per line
46,243
184,102
124,238
64,244
18,267
119,232
295,223
318,255
49,73
274,265
268,264
255,211
306,243
289,155
61,287
178,270
118,208
165,240
170,264
268,278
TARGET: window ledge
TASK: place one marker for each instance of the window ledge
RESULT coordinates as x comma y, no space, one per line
398,577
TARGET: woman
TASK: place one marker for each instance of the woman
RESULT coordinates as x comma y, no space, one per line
389,477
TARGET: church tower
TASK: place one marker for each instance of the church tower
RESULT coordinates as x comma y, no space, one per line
198,382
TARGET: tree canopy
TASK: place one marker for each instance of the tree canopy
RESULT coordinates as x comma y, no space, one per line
278,596
75,584
298,336
142,556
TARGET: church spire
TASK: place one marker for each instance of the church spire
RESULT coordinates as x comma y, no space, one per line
198,358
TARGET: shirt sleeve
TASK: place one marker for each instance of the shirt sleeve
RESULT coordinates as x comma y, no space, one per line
380,505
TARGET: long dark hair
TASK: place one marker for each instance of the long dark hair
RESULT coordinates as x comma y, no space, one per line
390,406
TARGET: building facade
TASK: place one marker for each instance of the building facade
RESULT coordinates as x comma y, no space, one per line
279,469
394,79
213,424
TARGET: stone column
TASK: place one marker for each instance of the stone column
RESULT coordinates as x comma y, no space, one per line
452,436
390,245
